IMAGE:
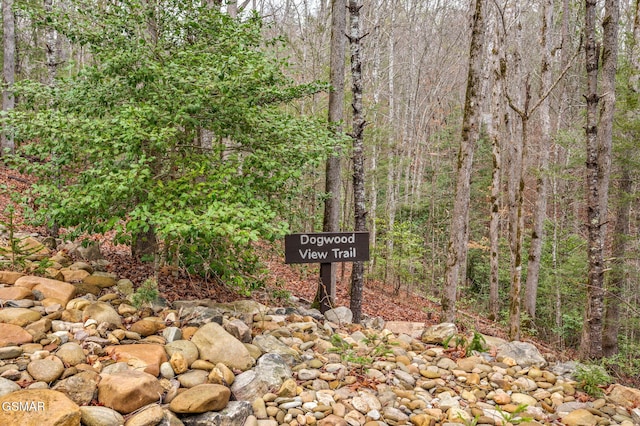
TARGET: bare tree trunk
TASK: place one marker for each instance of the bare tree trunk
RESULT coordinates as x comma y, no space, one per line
605,137
516,237
360,214
374,206
331,223
607,101
232,8
391,155
145,245
375,150
540,210
634,81
51,47
458,233
499,117
8,71
618,277
598,146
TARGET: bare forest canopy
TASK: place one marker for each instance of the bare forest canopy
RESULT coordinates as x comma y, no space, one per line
500,143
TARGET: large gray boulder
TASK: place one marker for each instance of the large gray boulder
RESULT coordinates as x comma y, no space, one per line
523,353
271,371
234,414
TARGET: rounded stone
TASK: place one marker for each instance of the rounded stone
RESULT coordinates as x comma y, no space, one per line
71,353
47,369
45,407
100,416
188,349
193,378
201,398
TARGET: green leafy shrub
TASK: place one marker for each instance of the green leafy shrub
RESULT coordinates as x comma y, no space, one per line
592,378
16,251
464,344
376,346
516,416
147,293
118,143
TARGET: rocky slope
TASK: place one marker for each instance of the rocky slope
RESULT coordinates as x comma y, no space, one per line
74,350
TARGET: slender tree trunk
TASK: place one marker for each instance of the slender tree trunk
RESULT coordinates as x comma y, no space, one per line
607,101
591,342
331,223
145,245
51,56
540,209
634,81
375,150
374,206
360,214
8,71
617,279
598,172
470,131
499,117
517,234
391,155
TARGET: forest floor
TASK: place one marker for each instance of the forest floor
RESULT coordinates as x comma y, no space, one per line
379,300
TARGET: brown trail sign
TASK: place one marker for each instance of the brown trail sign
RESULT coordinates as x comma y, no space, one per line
326,248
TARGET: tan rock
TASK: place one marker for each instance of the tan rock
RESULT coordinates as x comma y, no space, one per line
469,363
146,327
40,327
201,398
126,391
288,389
439,332
149,356
74,275
71,315
84,288
9,277
216,345
78,304
188,332
46,370
101,279
80,388
178,363
523,399
15,293
188,349
413,329
13,335
31,248
625,396
61,258
423,420
100,416
38,407
19,316
149,416
222,375
48,287
54,274
332,420
52,304
102,312
580,417
71,353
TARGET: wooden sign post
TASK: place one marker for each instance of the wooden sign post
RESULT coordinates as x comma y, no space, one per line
326,248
